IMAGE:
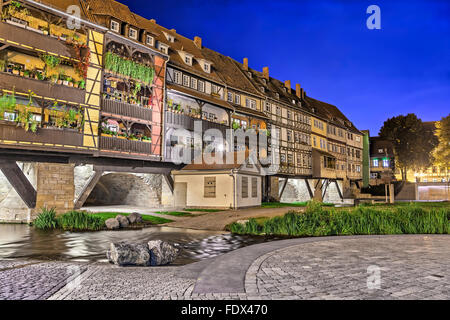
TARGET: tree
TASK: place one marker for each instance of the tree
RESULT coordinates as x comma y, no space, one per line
413,142
442,152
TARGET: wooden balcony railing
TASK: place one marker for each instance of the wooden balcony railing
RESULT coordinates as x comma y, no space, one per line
126,109
124,145
42,88
10,132
35,40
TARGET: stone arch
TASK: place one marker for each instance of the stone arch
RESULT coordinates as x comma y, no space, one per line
143,190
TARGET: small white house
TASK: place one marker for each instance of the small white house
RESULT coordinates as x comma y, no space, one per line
222,186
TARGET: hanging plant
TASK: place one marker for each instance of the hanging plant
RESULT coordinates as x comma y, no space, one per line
83,55
129,68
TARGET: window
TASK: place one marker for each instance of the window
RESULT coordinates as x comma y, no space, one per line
186,80
268,108
194,83
380,150
209,187
358,169
385,163
201,86
115,26
314,141
150,41
278,111
177,77
188,60
290,159
244,187
163,48
358,139
132,33
237,99
289,135
254,187
283,158
230,97
207,67
358,154
250,103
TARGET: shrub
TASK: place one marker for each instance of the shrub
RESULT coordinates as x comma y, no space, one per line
79,220
46,220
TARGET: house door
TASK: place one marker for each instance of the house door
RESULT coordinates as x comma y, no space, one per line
180,194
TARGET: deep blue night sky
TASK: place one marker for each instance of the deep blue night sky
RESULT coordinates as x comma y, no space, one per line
326,47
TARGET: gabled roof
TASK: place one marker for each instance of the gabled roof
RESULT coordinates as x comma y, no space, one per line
331,113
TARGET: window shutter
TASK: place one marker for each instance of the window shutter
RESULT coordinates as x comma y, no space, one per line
244,187
254,187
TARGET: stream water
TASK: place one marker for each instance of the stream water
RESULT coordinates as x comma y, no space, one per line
25,242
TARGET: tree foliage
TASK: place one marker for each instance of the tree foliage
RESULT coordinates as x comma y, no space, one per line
442,152
413,142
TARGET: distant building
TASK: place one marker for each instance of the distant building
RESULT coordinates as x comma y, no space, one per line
382,161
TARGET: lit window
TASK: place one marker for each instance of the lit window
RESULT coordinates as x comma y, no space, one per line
375,162
132,33
385,163
115,26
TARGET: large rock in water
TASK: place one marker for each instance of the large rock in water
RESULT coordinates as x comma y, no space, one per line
124,223
126,254
162,253
112,224
135,218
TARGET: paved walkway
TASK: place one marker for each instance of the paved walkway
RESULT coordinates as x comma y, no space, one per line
367,267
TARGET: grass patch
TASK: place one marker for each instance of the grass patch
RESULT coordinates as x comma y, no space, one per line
148,218
362,220
204,210
175,213
83,221
292,204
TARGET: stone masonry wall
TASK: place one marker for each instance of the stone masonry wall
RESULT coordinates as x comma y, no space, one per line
55,187
12,207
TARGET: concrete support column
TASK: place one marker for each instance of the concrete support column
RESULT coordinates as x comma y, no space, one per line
318,190
391,193
55,187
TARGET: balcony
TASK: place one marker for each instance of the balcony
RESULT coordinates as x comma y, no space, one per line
127,110
35,40
65,137
132,147
42,88
183,121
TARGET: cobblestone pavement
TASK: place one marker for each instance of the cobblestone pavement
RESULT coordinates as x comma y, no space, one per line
410,267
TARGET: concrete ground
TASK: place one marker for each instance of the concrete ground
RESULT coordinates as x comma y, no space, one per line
363,267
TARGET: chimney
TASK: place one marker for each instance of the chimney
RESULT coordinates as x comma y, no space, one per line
287,84
266,72
246,64
298,90
198,42
303,94
153,21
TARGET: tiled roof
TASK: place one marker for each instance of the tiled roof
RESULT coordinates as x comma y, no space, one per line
114,9
331,113
377,143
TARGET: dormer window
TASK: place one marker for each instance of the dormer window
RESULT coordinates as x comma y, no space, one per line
186,57
277,95
188,60
164,48
115,26
132,33
206,67
263,89
249,74
169,37
150,40
264,81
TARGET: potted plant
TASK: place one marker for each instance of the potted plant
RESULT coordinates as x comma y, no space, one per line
54,78
3,64
26,73
146,139
16,70
69,81
122,136
82,84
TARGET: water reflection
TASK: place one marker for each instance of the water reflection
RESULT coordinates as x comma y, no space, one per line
22,241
